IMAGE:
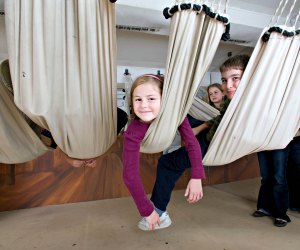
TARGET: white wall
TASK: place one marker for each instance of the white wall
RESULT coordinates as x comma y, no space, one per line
215,77
143,53
136,71
141,49
211,77
140,53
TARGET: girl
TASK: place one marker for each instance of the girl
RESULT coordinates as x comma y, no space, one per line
216,98
145,99
215,95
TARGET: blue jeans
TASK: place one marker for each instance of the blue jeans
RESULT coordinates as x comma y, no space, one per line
273,194
171,166
293,173
169,169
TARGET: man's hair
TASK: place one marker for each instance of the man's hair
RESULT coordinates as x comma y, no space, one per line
236,62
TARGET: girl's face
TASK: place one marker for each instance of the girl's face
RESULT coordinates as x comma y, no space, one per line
215,95
146,100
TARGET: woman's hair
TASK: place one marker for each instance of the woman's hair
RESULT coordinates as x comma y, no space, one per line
157,80
216,85
236,62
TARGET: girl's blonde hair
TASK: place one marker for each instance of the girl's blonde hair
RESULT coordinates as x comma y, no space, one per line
156,80
216,85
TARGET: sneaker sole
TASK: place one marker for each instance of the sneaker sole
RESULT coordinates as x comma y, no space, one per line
280,225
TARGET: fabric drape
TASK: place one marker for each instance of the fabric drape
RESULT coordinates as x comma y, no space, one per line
63,66
19,143
202,111
265,111
193,41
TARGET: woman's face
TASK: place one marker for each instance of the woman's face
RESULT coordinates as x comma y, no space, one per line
146,101
215,95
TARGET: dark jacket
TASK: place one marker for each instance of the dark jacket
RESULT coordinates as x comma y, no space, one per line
214,123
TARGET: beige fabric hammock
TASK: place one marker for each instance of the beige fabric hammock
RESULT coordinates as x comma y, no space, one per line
265,111
199,110
194,38
63,66
19,143
202,111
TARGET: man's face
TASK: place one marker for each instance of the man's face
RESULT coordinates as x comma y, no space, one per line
230,80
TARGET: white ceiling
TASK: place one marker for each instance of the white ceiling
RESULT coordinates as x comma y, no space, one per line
247,18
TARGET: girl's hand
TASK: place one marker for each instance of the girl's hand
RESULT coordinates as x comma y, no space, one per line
153,220
194,190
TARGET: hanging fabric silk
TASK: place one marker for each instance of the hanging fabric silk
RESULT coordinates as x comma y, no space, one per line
63,68
195,34
203,111
19,143
265,111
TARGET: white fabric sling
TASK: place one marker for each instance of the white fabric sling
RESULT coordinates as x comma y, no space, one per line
194,38
19,143
203,111
265,111
200,110
63,66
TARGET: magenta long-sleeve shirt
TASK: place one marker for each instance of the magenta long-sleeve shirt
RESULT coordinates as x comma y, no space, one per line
133,137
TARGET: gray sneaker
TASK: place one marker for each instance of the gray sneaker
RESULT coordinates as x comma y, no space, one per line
165,221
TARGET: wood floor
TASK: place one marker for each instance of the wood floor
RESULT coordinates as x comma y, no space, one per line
48,180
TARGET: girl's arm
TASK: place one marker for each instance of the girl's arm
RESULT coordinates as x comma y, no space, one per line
131,161
193,148
200,128
194,190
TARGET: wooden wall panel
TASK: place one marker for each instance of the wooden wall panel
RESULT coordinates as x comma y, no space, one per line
49,180
244,168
